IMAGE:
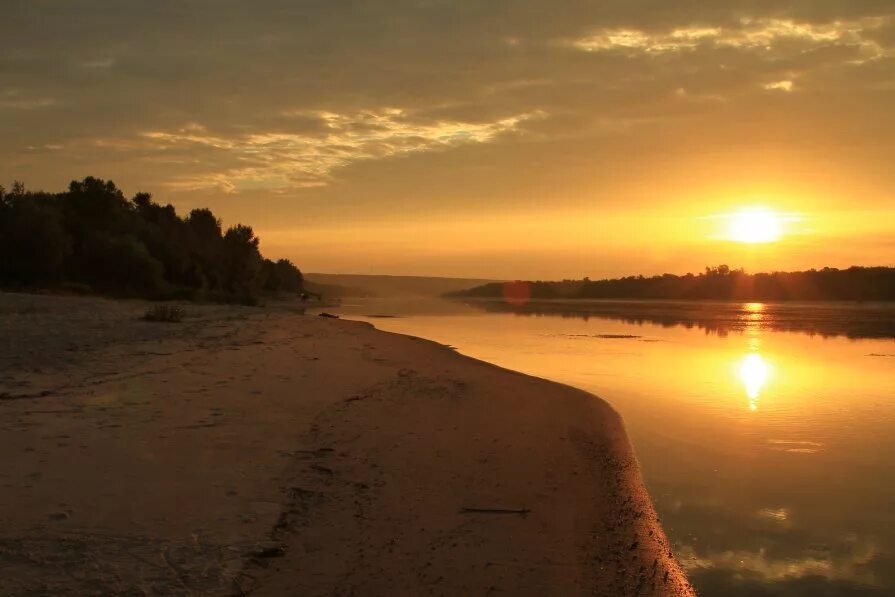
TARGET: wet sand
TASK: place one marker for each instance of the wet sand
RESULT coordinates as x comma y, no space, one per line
260,451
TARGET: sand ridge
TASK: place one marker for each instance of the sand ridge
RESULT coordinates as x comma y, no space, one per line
260,451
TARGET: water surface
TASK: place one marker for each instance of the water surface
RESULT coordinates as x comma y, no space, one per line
765,432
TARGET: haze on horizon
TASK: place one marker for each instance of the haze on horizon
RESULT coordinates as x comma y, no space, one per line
525,139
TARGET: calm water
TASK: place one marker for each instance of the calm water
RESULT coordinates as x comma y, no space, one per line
766,433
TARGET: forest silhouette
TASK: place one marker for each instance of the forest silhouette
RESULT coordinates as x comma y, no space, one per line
91,238
715,283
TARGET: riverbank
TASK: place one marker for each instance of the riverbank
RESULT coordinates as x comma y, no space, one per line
262,451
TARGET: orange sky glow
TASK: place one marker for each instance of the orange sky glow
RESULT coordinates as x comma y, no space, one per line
500,140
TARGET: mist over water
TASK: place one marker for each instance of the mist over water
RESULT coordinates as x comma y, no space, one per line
764,431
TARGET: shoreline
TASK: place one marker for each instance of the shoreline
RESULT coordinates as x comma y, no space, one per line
259,451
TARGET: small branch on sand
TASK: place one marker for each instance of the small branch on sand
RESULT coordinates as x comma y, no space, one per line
322,469
276,551
41,394
522,511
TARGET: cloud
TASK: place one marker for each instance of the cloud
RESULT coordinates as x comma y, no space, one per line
278,161
633,39
751,34
99,63
785,85
14,99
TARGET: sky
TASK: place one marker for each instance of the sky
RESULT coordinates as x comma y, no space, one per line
498,139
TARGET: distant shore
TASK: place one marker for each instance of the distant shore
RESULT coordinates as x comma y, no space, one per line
826,318
262,451
874,283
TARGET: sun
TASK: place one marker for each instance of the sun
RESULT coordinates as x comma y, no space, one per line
755,225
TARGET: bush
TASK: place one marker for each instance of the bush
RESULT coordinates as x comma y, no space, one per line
164,313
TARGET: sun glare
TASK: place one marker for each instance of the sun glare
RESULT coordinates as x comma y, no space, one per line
755,225
753,372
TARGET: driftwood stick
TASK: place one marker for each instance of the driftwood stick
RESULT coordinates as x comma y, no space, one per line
522,511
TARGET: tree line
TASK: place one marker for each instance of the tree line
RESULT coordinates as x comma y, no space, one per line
717,283
91,238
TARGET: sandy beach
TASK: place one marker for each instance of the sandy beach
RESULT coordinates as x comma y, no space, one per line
266,452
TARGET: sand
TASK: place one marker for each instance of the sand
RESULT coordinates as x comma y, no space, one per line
261,451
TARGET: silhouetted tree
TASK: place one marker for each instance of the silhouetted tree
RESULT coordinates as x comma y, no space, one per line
282,275
242,262
33,243
91,235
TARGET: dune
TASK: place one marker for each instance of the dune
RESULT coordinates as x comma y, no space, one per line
266,452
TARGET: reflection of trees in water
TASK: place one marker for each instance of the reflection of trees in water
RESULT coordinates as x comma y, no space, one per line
828,320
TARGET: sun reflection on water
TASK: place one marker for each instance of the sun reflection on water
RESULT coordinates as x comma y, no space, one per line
753,318
753,308
753,372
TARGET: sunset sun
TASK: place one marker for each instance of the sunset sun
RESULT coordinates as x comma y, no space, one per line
755,225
